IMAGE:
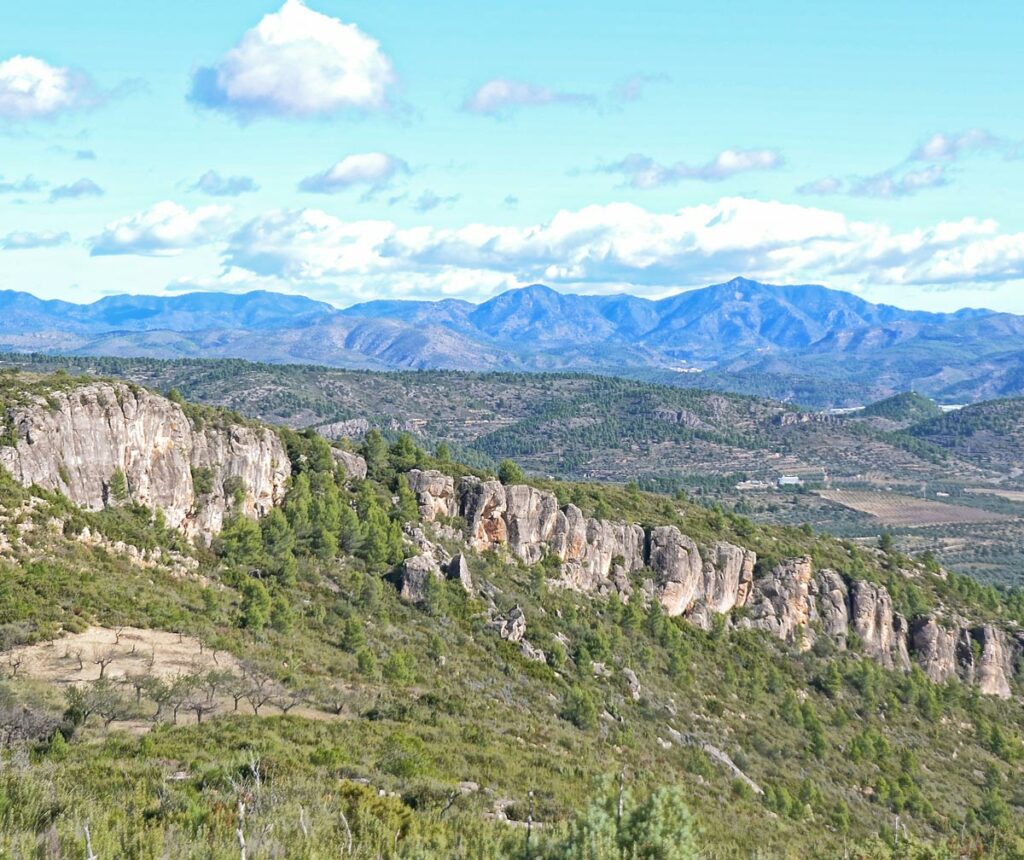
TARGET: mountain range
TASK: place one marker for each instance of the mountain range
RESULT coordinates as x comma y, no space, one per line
812,344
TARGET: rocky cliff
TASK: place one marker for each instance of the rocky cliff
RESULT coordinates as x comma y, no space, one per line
791,601
76,441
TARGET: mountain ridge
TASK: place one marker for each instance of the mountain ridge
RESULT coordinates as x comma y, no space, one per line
738,327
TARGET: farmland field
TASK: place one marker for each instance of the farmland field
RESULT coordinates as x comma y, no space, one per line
906,511
1009,495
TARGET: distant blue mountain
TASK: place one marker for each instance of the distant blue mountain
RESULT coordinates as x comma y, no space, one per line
811,334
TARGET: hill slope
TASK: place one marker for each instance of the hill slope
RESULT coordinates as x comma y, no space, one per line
508,669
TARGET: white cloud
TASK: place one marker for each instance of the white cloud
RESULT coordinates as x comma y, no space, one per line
370,169
21,240
826,185
297,63
947,147
887,185
164,230
31,88
641,171
623,246
501,95
215,185
72,191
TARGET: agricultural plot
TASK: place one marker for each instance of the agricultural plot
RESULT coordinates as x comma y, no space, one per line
1009,495
901,511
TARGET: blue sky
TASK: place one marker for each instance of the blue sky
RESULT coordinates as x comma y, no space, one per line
360,150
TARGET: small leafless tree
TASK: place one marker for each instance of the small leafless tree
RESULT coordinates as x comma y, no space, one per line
15,661
181,689
104,659
104,699
290,699
198,705
260,690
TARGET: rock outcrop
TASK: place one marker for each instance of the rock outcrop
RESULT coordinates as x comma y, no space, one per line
354,465
783,603
991,660
834,607
435,492
883,632
935,647
76,441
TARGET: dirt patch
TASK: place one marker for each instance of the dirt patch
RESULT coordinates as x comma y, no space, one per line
127,651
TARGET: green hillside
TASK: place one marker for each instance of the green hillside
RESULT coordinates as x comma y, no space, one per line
398,731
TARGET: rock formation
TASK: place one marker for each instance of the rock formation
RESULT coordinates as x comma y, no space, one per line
783,603
76,441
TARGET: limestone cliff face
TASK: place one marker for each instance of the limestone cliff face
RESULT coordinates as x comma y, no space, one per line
783,603
75,441
935,647
883,633
791,601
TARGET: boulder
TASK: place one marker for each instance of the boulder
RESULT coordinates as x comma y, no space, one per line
511,625
414,573
458,569
354,465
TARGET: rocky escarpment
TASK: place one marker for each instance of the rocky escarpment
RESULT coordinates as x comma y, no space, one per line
80,441
792,601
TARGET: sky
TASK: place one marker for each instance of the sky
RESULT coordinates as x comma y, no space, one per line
352,151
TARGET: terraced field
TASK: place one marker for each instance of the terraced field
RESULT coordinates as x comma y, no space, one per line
894,509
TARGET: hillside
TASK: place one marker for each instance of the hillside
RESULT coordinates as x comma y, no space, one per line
665,438
809,344
419,662
903,409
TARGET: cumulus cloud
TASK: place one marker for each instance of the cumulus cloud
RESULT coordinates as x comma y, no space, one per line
23,241
372,170
31,88
215,185
501,96
26,185
81,188
623,246
641,171
297,63
164,230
